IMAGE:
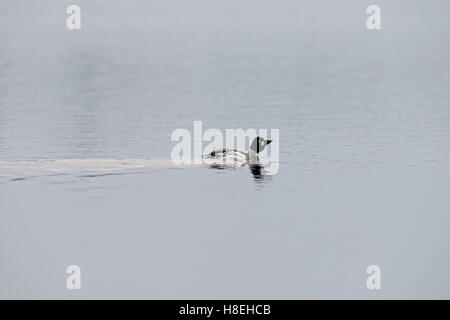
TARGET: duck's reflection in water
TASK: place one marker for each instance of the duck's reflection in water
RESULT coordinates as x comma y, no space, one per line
259,175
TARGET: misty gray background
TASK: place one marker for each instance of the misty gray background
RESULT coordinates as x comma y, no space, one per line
364,145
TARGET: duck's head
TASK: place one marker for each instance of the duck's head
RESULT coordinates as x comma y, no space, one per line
259,144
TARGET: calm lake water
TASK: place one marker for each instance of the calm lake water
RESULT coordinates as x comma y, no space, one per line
85,171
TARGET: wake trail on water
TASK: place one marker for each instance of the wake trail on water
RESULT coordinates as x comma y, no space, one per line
19,169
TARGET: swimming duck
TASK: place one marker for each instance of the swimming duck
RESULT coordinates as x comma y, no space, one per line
250,156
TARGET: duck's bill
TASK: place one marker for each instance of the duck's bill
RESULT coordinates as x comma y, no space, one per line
269,141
